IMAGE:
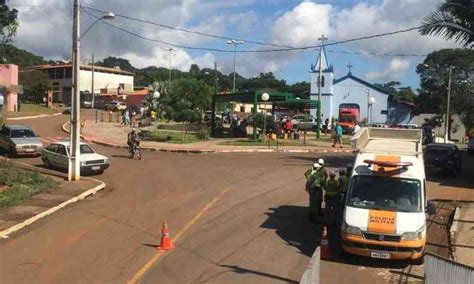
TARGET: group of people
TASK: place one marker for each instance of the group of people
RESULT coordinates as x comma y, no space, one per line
130,117
319,181
238,126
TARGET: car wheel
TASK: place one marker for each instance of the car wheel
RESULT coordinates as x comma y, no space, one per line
12,153
47,164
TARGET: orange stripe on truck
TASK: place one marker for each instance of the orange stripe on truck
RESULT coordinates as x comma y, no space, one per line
384,222
387,171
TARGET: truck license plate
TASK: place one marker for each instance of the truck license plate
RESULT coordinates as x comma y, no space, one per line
95,168
382,255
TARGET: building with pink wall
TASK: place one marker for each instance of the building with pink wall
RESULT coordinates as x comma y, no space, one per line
9,86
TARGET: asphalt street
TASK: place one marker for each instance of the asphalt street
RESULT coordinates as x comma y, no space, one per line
236,217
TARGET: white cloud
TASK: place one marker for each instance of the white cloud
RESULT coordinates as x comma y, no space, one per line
390,15
395,70
302,25
180,59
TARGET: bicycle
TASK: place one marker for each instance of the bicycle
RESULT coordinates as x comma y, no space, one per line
135,151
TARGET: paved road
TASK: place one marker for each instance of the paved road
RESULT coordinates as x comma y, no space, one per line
238,217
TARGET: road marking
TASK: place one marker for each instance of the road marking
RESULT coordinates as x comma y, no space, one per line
139,275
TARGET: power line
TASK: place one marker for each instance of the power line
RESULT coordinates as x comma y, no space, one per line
286,49
189,31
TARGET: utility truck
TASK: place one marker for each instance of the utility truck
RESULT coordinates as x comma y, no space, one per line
385,208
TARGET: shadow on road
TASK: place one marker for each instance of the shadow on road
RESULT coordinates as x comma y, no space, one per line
330,159
241,270
291,224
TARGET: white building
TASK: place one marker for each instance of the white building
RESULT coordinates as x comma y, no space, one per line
104,78
347,90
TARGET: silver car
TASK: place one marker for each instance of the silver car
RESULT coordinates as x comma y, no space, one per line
20,140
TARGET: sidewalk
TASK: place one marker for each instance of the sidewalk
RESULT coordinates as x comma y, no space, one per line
112,134
46,202
462,234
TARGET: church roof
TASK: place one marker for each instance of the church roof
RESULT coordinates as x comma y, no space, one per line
363,82
324,63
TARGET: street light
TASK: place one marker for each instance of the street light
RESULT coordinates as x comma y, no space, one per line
169,65
156,95
371,102
265,97
234,43
367,91
446,122
74,169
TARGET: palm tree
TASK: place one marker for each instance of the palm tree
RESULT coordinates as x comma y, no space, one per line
454,19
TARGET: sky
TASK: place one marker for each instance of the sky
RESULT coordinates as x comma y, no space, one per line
46,29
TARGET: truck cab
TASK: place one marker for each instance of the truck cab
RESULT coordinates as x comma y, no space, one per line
384,214
348,117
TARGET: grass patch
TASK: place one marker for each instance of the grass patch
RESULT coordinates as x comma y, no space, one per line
173,137
21,184
31,110
273,143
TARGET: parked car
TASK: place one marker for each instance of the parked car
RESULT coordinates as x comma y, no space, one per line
470,146
303,122
444,156
115,106
20,140
86,104
56,155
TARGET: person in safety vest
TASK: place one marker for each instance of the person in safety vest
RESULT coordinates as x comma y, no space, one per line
332,191
315,180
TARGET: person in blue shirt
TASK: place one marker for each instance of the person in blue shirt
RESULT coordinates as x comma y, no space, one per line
337,135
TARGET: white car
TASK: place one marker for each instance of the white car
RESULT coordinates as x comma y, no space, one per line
56,155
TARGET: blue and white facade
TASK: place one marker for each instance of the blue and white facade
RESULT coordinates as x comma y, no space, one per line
348,90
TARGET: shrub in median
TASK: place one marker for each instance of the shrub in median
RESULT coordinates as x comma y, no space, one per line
20,184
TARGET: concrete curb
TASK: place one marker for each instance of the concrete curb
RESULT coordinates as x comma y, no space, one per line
207,151
311,274
453,231
34,116
5,233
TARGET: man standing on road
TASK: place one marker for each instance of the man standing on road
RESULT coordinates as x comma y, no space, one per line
337,135
332,191
316,178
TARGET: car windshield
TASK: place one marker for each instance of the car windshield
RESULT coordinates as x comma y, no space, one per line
385,193
85,149
438,151
22,133
346,119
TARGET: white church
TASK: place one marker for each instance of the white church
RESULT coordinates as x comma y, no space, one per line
374,103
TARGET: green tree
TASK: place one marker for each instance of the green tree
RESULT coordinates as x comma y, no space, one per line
187,101
20,57
434,74
113,62
453,20
8,23
400,94
35,84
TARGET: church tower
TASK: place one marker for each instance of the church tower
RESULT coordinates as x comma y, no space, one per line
327,91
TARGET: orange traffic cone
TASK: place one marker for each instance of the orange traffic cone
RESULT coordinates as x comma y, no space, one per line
325,248
165,238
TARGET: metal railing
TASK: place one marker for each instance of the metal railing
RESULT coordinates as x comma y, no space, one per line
442,270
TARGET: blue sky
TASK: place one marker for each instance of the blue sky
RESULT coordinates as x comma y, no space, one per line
284,22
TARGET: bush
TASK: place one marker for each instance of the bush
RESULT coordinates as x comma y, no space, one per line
21,184
203,133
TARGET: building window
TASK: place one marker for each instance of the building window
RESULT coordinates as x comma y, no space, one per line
60,73
51,74
68,73
322,79
242,108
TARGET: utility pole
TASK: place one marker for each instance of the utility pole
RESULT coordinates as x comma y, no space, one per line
320,80
446,123
367,91
234,43
169,66
74,173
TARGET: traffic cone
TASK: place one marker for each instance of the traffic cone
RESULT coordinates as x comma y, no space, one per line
165,238
325,252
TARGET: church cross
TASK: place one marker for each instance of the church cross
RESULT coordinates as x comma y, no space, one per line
349,66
